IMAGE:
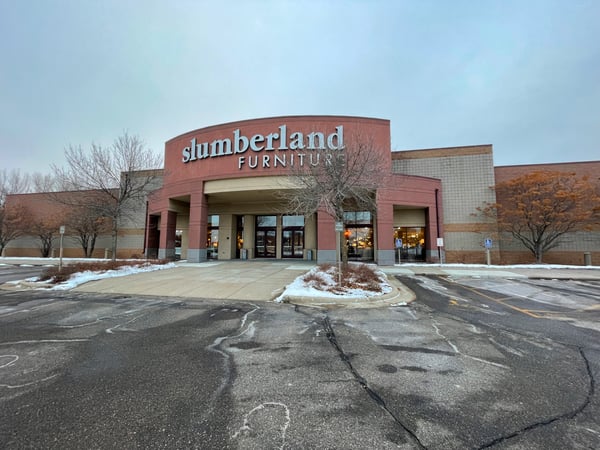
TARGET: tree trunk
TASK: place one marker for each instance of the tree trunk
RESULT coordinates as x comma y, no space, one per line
92,245
538,254
115,231
344,248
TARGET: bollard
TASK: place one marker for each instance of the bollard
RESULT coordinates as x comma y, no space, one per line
587,258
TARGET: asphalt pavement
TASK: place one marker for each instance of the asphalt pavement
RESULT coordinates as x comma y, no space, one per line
485,358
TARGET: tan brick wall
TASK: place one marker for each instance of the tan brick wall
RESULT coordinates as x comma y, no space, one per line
471,257
572,245
552,257
467,175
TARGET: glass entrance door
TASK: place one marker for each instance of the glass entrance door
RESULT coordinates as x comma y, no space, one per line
266,243
293,243
266,237
292,236
413,243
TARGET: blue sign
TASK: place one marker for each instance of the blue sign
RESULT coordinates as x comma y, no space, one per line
488,243
398,243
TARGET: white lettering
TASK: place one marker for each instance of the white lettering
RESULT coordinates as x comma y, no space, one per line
270,138
220,147
193,150
202,150
280,160
236,142
339,136
239,143
311,141
255,164
283,137
257,138
296,141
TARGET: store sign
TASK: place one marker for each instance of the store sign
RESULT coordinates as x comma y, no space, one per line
279,148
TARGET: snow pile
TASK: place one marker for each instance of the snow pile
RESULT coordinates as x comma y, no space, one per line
322,282
496,266
83,277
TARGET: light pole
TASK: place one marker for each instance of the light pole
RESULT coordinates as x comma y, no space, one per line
339,227
62,233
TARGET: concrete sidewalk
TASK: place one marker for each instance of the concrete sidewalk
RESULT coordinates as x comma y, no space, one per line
265,280
236,280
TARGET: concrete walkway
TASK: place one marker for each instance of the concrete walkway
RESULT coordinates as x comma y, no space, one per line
236,280
265,280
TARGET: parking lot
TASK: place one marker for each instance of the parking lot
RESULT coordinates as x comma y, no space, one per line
472,363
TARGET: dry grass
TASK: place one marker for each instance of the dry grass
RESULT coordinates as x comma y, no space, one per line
53,275
354,276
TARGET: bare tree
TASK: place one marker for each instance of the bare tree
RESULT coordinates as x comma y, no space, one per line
337,180
87,224
12,182
40,182
14,222
14,218
45,229
120,177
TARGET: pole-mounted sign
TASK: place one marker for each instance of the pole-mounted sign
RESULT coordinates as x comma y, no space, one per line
62,232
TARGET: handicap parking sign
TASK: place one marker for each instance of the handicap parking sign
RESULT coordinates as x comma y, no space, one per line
488,243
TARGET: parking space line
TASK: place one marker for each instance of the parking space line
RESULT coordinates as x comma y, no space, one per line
500,301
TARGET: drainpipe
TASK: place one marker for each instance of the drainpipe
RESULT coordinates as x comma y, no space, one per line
146,232
437,223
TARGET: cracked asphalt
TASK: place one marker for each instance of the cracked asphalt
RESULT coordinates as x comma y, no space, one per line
471,364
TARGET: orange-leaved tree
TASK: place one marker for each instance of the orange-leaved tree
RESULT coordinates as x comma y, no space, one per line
541,207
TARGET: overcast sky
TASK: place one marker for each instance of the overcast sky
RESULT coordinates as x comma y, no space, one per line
522,75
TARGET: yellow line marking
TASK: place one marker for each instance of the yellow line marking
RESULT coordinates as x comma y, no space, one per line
500,301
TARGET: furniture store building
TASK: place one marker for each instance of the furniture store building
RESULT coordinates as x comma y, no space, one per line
220,195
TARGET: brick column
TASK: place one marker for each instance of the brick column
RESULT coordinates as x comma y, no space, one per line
198,227
168,225
384,237
326,237
152,237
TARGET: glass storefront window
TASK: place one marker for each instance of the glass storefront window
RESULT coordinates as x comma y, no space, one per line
293,221
357,217
413,243
358,235
212,238
178,239
213,220
292,238
266,221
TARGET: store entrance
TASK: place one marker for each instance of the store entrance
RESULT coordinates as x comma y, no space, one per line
293,243
412,241
266,237
292,237
266,243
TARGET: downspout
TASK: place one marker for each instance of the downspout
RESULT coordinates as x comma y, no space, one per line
146,231
437,223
